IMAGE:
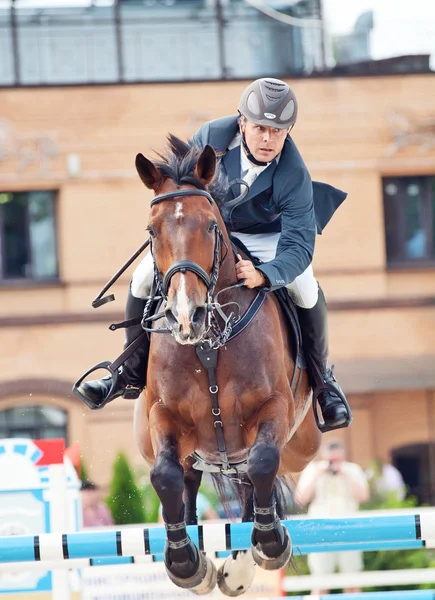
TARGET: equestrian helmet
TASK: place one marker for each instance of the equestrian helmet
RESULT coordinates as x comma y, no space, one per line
269,102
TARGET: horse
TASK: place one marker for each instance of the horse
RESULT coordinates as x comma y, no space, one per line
212,398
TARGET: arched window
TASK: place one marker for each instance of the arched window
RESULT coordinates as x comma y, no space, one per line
34,422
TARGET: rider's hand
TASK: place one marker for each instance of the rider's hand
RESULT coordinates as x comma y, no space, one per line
246,270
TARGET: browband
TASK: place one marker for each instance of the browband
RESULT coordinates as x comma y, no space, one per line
178,193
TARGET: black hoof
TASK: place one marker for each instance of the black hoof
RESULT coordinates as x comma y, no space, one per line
272,563
201,582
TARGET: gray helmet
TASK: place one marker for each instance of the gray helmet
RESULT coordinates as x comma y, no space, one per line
269,102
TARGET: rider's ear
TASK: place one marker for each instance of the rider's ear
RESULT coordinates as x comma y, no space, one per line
149,174
206,165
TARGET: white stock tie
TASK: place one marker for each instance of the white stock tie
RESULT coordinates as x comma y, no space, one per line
250,176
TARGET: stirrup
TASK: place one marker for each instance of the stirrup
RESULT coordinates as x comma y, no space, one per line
106,365
328,387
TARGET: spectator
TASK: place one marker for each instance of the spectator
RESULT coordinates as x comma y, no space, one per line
333,487
387,481
95,511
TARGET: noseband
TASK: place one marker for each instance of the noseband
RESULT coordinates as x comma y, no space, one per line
182,266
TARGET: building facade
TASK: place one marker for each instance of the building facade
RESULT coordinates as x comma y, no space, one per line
72,210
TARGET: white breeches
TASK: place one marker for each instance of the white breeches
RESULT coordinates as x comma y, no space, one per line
303,290
142,280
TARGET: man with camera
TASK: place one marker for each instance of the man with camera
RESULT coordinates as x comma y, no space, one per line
333,487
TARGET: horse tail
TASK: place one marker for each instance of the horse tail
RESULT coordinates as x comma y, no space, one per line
230,494
233,495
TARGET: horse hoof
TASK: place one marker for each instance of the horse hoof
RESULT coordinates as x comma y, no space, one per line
209,582
202,582
235,576
271,564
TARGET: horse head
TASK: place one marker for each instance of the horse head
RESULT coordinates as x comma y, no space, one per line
185,231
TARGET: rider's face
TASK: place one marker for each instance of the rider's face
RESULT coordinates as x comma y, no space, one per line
265,143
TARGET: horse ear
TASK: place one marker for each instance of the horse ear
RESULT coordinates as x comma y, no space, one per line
148,173
206,165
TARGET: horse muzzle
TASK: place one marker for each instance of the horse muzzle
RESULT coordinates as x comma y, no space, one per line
188,326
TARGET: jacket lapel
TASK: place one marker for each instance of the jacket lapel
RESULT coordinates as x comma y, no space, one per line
231,163
263,181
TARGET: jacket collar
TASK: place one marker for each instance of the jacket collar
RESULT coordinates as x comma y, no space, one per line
231,163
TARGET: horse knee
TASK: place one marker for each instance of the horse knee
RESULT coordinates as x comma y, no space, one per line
167,475
263,462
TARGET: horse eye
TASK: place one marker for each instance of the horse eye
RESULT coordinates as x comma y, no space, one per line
151,232
212,226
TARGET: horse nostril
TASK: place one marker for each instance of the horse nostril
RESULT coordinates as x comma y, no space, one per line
198,317
172,321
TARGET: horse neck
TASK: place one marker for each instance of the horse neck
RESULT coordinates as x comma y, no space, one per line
227,272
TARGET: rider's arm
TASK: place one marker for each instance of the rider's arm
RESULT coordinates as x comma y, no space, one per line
298,230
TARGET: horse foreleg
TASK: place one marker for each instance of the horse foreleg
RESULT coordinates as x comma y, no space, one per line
237,573
192,481
185,565
271,545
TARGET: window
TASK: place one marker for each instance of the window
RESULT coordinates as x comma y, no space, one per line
409,209
34,422
28,246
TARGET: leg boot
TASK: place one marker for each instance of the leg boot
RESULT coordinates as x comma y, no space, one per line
332,401
131,376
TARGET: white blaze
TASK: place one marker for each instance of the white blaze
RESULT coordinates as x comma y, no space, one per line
183,305
179,210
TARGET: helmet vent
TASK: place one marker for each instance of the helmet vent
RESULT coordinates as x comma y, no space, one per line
288,111
253,104
272,98
275,84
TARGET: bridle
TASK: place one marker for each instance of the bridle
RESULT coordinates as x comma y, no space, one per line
215,335
181,266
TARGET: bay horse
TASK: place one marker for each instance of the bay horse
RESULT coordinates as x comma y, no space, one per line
214,398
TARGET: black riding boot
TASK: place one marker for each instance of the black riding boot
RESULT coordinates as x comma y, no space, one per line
314,326
131,378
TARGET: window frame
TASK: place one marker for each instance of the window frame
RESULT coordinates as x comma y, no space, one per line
30,281
39,426
404,263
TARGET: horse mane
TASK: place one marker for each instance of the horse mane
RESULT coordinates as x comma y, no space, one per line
178,161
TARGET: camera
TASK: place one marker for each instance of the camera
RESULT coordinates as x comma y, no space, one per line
331,468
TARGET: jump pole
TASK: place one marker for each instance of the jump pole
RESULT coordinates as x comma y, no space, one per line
395,595
80,563
328,533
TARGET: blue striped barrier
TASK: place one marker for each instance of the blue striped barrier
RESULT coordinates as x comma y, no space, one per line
397,595
297,550
311,534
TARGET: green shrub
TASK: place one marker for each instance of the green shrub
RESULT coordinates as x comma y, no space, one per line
83,474
125,501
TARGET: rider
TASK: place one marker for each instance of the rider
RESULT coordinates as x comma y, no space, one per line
277,222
